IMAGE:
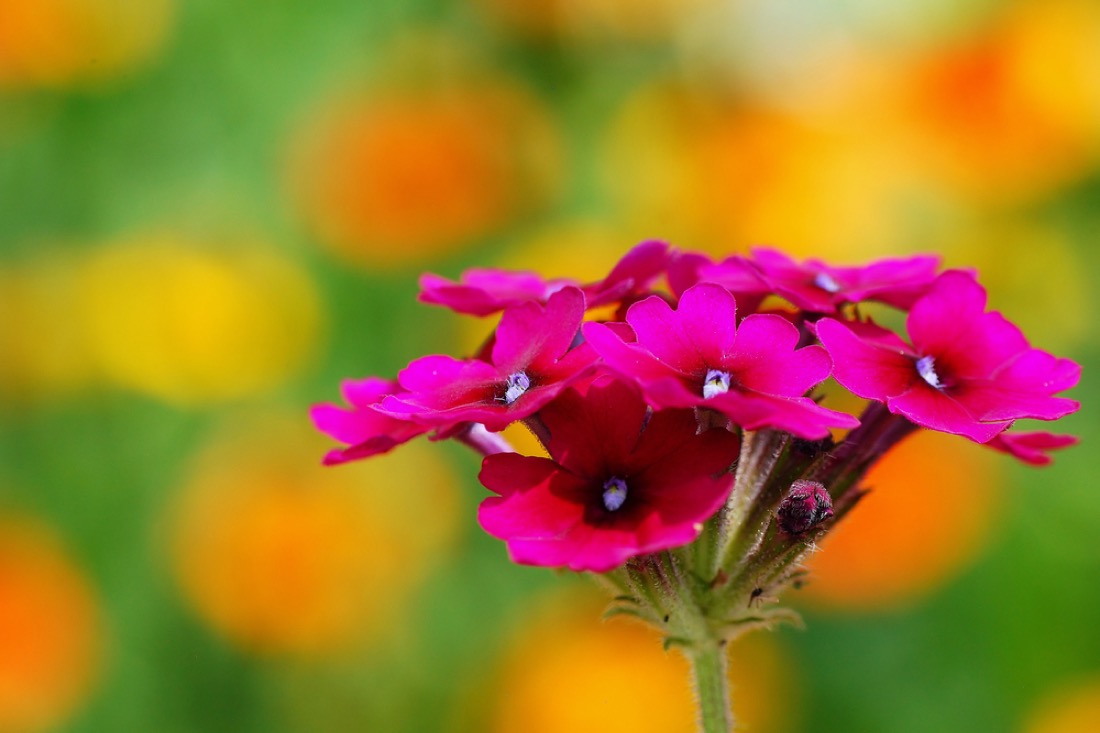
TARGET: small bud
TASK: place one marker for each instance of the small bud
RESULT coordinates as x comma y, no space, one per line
807,505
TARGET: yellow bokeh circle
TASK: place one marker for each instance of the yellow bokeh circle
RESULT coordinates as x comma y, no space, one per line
189,323
281,555
566,670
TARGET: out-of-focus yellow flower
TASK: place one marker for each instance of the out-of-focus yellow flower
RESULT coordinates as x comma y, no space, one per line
594,19
282,555
44,348
190,324
51,43
408,173
50,634
932,505
569,671
1073,709
1034,276
716,173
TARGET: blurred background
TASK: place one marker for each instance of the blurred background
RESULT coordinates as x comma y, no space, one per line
211,211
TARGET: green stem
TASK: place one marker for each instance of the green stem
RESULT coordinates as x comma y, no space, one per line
708,665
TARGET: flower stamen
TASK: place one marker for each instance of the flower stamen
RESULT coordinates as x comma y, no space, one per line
926,368
827,282
515,386
614,493
717,382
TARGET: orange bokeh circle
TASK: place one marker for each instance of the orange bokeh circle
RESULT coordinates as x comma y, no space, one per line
934,499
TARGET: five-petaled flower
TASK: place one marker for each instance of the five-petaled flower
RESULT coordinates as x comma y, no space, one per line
620,481
698,356
968,371
531,362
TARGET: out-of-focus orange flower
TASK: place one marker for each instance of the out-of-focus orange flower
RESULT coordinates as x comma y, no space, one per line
569,671
406,174
45,351
282,555
932,503
1074,709
184,322
594,19
1012,111
717,173
50,634
49,43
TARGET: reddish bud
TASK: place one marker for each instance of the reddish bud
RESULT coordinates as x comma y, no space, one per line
807,505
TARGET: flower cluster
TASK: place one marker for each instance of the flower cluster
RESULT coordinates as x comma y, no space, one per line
692,416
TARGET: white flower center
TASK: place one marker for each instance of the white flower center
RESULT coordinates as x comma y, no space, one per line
926,368
614,493
717,382
827,282
515,386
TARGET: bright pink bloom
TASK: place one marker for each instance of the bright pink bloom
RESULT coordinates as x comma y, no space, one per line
735,273
697,356
366,431
967,372
481,292
530,363
1031,447
621,482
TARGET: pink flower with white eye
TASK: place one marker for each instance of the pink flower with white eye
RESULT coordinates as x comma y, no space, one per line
817,287
968,371
620,482
531,361
698,356
484,291
366,431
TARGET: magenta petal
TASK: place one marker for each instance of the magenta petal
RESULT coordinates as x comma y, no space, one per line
1031,448
659,331
933,409
482,291
765,358
534,335
800,416
641,265
538,499
630,360
596,427
866,368
708,317
684,270
944,319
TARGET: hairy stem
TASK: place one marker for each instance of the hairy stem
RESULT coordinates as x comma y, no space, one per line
712,694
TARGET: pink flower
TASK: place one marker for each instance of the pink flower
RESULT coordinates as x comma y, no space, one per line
968,371
484,291
817,287
697,356
481,292
621,482
530,363
1031,447
366,431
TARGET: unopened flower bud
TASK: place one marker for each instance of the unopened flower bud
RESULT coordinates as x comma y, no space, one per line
807,505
